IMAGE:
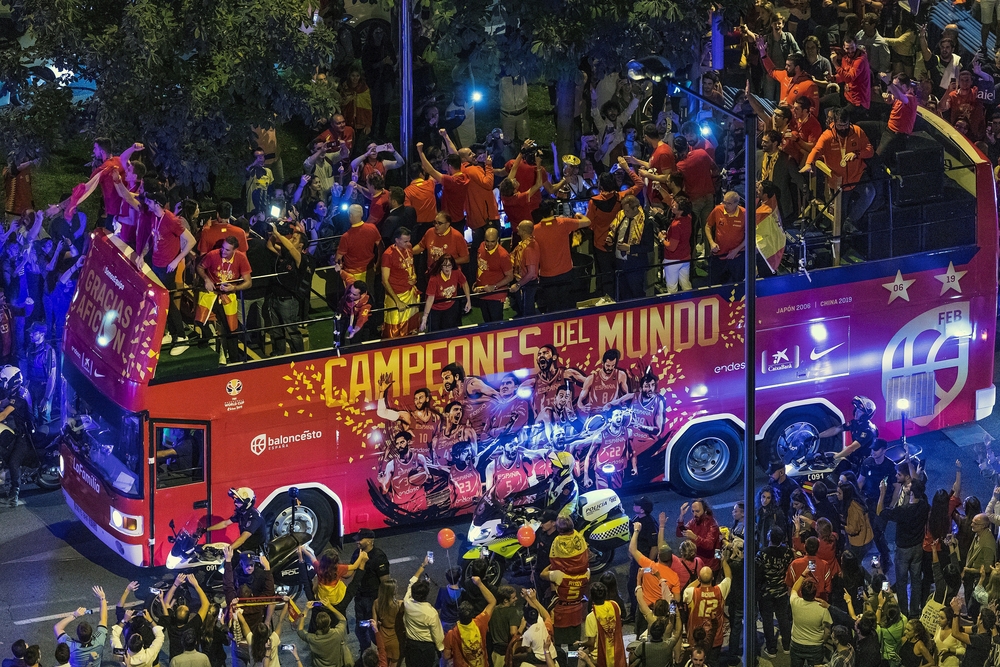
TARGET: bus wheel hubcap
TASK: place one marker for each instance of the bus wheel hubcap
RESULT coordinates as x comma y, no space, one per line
305,522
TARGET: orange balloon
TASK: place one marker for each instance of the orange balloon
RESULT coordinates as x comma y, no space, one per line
446,538
525,536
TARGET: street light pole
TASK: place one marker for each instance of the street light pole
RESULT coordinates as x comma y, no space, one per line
902,405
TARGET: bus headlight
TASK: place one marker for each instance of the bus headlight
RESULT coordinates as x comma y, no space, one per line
126,523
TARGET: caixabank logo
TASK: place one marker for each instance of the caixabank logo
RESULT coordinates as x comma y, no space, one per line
263,442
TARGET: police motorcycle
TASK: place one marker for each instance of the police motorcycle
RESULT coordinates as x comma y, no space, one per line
40,464
802,449
598,515
207,562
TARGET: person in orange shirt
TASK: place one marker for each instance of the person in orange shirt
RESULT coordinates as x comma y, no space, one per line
524,258
358,248
495,272
725,233
844,149
555,266
794,80
653,572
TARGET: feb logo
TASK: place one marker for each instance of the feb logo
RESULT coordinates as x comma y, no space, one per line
234,387
933,347
258,444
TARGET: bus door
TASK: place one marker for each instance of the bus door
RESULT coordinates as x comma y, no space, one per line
179,457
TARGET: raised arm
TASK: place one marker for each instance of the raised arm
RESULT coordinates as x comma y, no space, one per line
448,143
426,164
491,601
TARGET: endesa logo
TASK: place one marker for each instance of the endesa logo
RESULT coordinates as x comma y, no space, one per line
264,442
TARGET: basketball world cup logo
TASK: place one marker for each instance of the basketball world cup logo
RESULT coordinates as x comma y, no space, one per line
930,351
234,387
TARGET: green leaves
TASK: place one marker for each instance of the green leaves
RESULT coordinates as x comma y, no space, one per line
189,78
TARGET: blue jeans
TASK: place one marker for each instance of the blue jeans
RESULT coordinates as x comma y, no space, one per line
908,562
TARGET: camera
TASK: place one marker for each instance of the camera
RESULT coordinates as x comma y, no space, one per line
529,152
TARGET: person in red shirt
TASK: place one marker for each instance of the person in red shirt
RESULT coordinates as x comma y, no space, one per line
805,131
338,132
844,149
676,241
702,529
901,118
218,229
421,196
225,271
164,236
519,203
400,282
107,167
523,173
524,258
442,309
602,209
495,272
378,198
359,246
853,71
555,267
443,240
964,102
480,204
725,234
661,161
352,313
454,186
699,171
794,80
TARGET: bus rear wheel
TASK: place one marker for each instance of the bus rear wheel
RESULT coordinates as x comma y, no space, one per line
795,434
313,516
708,459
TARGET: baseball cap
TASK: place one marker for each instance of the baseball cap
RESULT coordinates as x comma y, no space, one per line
775,467
366,534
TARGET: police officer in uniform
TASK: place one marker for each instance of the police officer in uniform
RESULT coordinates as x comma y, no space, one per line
253,534
863,434
16,426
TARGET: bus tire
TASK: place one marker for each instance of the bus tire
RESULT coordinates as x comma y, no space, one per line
791,434
317,517
708,459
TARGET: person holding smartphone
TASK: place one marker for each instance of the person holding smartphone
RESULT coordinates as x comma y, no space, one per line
376,571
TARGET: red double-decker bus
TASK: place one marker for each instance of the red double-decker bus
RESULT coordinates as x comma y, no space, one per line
649,391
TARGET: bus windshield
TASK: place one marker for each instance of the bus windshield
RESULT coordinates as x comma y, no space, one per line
104,435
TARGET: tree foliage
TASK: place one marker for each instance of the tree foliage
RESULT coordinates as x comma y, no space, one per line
189,78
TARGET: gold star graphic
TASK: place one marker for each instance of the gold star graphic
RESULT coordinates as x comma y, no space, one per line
950,280
897,288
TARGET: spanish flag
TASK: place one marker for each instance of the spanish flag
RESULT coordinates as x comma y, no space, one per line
206,301
569,554
770,237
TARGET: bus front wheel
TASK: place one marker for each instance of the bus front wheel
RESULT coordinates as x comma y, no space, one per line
313,516
708,459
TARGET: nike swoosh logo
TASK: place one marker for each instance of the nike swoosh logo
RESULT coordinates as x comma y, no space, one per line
98,374
814,355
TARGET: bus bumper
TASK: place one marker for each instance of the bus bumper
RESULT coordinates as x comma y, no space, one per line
985,400
133,553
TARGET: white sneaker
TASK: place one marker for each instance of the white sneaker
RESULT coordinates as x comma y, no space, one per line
180,348
167,339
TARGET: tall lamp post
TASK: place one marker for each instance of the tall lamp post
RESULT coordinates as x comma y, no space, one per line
658,70
902,405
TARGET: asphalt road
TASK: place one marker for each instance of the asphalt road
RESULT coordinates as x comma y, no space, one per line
49,561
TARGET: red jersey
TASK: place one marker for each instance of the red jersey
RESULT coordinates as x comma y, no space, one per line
357,246
423,432
663,161
697,168
855,74
508,480
903,115
346,136
480,204
707,610
602,390
727,230
506,416
493,266
420,194
525,254
213,235
445,289
466,487
378,208
552,236
454,191
569,610
406,495
400,265
452,243
518,208
645,414
525,177
613,451
222,270
792,90
166,234
677,245
112,200
544,395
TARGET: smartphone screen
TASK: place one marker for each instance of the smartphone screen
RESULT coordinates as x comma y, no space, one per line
572,654
430,557
885,586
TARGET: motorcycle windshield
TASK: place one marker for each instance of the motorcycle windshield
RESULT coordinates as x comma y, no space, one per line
487,510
